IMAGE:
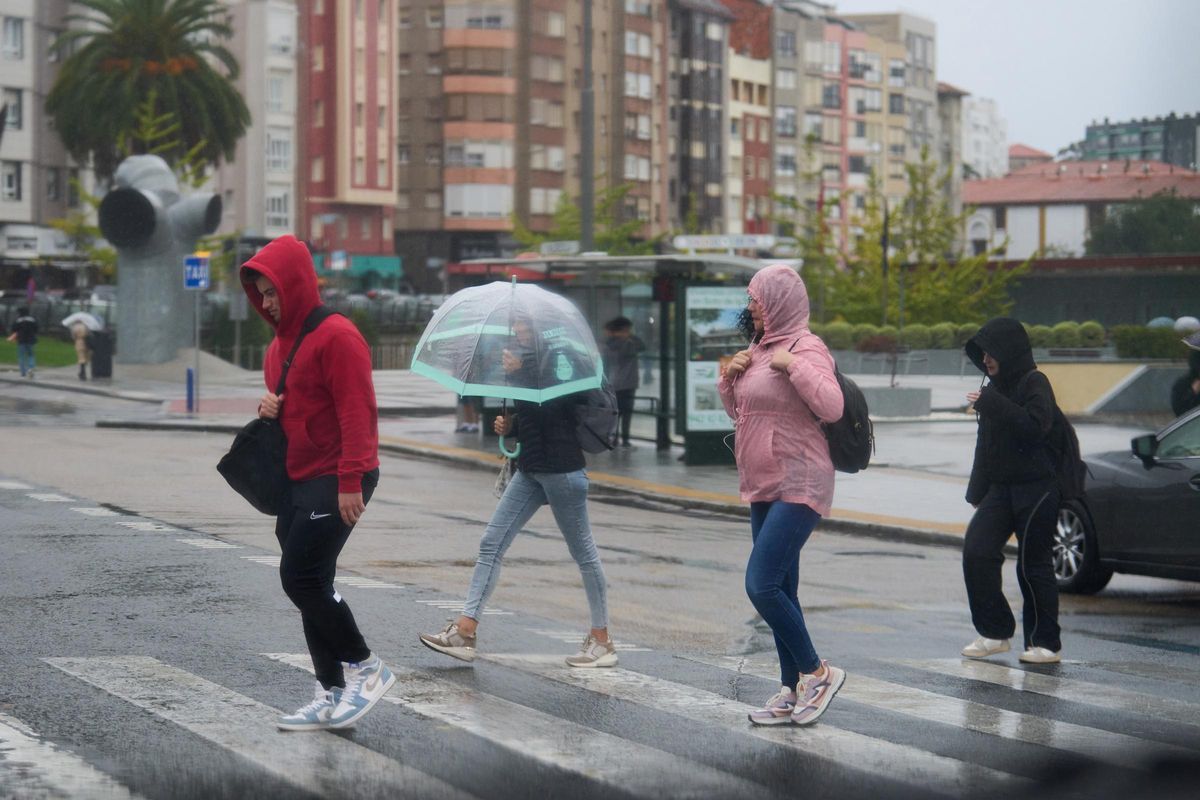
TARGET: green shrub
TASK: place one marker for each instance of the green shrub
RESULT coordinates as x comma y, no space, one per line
839,336
864,330
1065,334
916,336
1040,335
1137,341
889,330
941,336
964,332
1091,334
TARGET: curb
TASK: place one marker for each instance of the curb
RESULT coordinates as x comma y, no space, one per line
648,499
136,397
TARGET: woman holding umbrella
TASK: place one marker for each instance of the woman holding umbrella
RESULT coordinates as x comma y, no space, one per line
549,470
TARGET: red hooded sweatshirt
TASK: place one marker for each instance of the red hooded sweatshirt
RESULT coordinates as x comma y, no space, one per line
329,414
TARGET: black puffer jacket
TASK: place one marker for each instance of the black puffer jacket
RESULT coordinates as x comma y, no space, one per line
1011,446
546,431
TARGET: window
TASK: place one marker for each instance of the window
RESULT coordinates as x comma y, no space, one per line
831,95
404,19
317,173
1001,218
785,43
433,154
896,72
785,79
405,63
637,44
638,7
13,43
546,68
402,154
488,16
276,88
277,210
895,103
831,130
359,111
433,108
433,63
433,18
318,114
318,58
381,172
858,164
12,99
433,200
785,120
553,24
53,183
785,160
280,33
279,150
481,201
543,201
360,170
402,201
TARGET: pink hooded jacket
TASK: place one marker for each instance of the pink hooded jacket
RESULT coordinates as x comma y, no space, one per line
780,449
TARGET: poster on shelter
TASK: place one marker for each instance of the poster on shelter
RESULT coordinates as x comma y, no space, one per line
712,335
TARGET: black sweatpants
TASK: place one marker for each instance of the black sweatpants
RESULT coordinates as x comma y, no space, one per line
625,410
311,535
1031,511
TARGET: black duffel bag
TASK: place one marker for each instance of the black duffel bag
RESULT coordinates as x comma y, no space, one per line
256,464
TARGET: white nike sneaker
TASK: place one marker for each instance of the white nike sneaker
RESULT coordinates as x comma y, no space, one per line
366,683
984,647
1040,655
314,716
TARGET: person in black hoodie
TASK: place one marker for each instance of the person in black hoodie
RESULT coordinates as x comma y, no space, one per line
549,470
1185,393
1013,490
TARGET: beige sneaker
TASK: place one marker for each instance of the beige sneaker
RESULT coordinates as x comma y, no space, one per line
451,642
594,653
1040,655
984,647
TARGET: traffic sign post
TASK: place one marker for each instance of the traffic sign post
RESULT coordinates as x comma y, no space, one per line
196,279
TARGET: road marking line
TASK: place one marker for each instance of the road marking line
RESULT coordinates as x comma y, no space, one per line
322,764
269,561
52,498
365,583
899,762
16,486
97,511
33,767
456,605
146,525
602,757
1119,748
571,637
1076,691
210,544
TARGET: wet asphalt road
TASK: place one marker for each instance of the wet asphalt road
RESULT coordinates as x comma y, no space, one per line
146,646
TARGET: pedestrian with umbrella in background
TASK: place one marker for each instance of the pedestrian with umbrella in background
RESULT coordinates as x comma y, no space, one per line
525,344
81,324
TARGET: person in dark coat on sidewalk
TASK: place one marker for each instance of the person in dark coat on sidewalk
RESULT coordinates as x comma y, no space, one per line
1013,489
1185,393
621,350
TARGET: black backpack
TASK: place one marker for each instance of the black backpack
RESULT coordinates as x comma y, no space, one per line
852,438
1069,469
596,419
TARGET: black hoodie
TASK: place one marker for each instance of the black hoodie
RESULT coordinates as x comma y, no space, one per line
1015,415
1183,399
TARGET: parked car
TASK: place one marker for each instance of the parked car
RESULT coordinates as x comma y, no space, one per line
1140,513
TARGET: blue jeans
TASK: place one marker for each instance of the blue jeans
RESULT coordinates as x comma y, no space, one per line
25,358
779,530
566,492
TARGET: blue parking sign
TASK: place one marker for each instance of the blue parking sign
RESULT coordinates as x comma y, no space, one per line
195,272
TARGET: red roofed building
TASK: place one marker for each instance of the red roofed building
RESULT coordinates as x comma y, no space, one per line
1049,208
1022,155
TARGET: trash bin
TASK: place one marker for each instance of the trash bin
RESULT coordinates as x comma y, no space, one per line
102,353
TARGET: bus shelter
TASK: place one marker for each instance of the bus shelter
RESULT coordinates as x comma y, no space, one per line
685,309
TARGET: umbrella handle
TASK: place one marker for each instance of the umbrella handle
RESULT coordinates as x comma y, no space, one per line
511,454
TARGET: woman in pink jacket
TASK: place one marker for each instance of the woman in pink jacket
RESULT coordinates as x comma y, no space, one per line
778,392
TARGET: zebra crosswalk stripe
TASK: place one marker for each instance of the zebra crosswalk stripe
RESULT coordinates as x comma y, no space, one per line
1118,748
31,767
602,757
1112,698
881,757
321,764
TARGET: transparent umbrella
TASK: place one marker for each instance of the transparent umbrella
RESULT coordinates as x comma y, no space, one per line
92,322
510,341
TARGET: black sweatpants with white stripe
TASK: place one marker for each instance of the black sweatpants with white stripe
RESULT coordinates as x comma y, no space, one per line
311,535
1030,510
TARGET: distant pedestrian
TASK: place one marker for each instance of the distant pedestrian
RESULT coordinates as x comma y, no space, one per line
1014,490
1185,392
778,393
81,334
330,418
24,333
468,415
549,470
621,350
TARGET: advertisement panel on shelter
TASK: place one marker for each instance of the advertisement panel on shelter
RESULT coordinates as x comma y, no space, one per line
712,335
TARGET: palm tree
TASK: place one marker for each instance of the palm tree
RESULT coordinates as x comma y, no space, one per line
125,51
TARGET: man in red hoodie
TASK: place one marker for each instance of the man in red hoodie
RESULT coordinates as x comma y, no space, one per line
328,414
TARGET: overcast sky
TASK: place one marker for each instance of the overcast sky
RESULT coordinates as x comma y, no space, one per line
1053,66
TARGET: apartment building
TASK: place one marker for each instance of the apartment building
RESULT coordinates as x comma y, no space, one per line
36,173
750,163
346,176
984,138
698,52
1171,139
258,188
949,142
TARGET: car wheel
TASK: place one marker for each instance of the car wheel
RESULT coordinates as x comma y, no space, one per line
1076,560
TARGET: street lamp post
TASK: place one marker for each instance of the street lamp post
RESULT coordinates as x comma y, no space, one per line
586,143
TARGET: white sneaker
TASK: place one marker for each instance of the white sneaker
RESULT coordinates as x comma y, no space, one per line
984,647
366,683
1040,655
314,716
594,653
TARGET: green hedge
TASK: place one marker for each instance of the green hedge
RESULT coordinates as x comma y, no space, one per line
941,336
1065,334
1138,341
1091,334
916,336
